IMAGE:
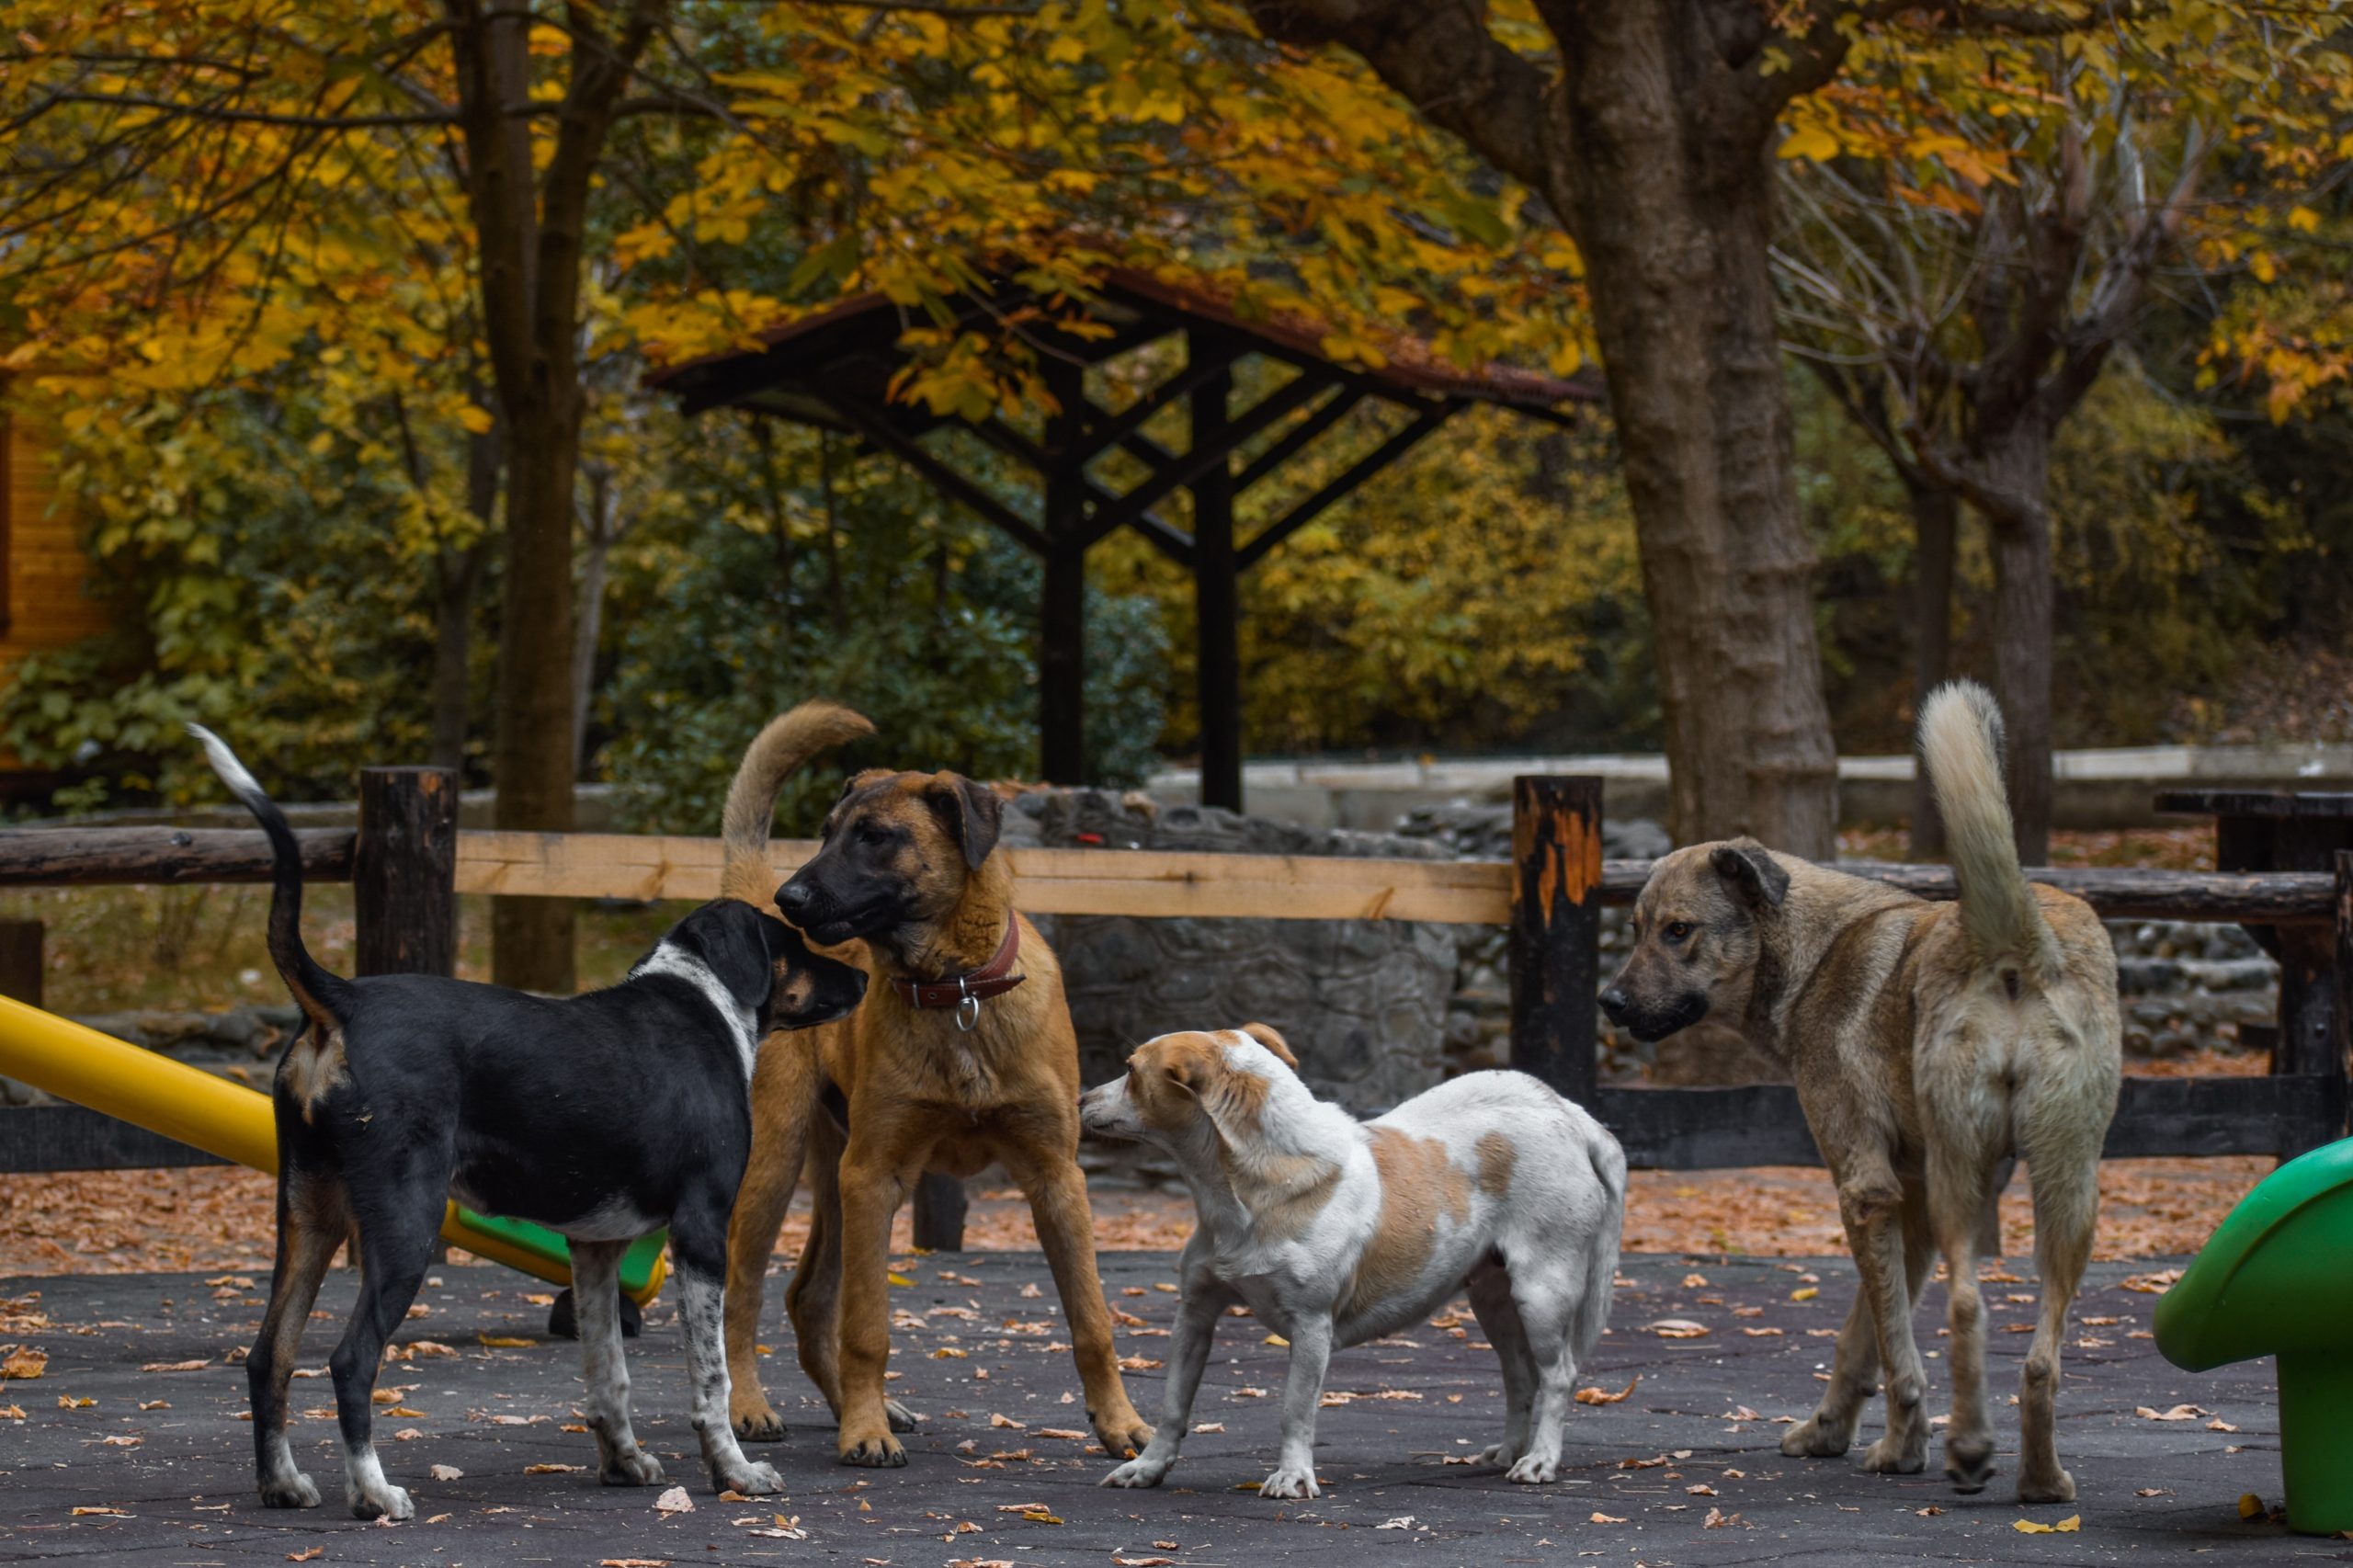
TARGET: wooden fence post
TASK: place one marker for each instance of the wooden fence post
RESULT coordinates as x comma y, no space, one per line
404,871
20,961
1555,940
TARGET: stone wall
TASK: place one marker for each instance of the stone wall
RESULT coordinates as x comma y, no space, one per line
1364,1003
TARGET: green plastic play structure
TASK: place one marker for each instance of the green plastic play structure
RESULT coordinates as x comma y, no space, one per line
2276,1279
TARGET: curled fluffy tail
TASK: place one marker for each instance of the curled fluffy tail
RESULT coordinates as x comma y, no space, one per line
1960,744
775,755
321,996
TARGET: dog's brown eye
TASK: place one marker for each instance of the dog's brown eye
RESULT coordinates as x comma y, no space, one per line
1677,929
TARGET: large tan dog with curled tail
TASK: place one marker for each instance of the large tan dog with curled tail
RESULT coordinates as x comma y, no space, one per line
962,1056
1930,1042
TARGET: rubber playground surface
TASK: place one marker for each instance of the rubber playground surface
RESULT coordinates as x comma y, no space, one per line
130,1449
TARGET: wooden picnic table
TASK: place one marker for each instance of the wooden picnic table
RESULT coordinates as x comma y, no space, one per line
2285,830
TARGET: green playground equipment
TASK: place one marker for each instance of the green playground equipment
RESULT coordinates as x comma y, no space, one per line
2276,1279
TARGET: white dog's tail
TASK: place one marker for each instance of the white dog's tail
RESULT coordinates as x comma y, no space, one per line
1608,1161
1960,744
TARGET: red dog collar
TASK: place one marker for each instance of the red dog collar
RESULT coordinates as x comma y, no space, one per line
967,992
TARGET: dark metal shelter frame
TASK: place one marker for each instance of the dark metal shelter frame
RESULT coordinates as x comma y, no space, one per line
834,370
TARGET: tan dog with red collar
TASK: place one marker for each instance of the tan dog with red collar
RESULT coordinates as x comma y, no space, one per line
1336,1232
963,1056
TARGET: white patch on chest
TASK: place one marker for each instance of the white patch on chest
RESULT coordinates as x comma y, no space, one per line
669,959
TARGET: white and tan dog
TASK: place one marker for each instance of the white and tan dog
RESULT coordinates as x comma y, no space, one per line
1334,1231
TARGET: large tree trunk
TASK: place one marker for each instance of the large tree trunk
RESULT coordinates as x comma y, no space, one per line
459,573
1672,209
589,616
2017,464
1936,516
532,938
531,250
1652,144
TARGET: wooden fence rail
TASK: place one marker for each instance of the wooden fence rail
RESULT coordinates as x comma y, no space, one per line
1550,894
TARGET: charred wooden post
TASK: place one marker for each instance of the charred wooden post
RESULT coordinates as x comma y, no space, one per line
405,870
941,1205
1556,942
20,961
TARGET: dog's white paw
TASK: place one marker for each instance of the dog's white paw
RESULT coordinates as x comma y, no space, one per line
752,1481
1136,1472
293,1491
1291,1481
901,1419
636,1468
386,1502
1534,1468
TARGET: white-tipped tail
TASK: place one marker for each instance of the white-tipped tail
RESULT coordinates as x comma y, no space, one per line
233,773
1961,745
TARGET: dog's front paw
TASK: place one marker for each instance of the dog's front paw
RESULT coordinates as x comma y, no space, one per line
1123,1432
1896,1455
1813,1438
755,1419
1498,1454
1535,1469
902,1418
1291,1481
2057,1487
1136,1472
750,1480
636,1468
387,1501
295,1491
872,1450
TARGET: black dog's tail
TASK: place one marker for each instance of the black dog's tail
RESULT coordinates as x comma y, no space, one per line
321,996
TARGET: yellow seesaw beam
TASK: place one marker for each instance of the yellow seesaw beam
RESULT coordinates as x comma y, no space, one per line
209,1112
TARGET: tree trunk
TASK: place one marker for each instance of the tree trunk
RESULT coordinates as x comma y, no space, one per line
589,621
532,938
1935,514
2017,465
460,573
1671,211
530,240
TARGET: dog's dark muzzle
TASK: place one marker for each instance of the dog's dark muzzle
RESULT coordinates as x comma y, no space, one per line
826,918
1646,1021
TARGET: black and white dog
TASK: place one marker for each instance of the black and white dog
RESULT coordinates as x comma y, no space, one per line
603,1117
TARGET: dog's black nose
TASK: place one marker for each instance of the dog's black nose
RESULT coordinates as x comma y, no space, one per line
793,899
1613,1003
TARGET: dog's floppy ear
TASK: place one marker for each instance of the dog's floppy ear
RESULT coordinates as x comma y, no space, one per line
1265,1035
1751,871
971,812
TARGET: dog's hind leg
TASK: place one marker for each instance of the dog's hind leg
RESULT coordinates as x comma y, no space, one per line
699,1242
1490,1291
1548,1293
2066,1205
396,1245
604,1368
784,1102
311,1225
1962,1171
